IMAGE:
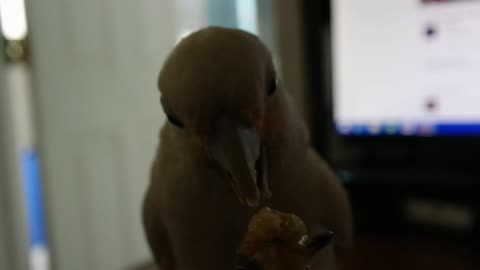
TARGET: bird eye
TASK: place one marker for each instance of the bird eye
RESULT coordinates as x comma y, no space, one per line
272,86
174,121
169,113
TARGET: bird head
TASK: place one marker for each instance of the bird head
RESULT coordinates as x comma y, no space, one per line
278,241
216,87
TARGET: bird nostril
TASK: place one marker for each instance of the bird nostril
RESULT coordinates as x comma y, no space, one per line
229,174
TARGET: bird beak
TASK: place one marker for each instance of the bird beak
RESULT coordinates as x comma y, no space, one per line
240,153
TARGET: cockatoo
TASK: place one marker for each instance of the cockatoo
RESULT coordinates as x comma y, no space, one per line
233,142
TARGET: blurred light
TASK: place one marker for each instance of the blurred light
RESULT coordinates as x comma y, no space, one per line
247,15
13,19
445,214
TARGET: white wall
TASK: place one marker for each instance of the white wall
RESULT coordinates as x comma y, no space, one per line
3,175
95,65
5,261
13,225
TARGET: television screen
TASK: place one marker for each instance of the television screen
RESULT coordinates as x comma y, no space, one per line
406,68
